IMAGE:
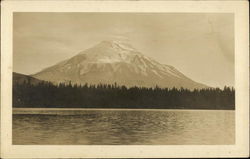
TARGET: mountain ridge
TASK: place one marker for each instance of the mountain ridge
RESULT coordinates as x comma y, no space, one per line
19,78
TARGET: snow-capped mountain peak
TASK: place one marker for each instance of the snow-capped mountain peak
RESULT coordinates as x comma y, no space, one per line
119,45
118,62
110,52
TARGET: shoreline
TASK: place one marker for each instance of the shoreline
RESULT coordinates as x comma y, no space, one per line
113,109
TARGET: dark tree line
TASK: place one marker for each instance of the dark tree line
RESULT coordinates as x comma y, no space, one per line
47,95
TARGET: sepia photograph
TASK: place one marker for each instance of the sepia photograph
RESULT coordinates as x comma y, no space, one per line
102,77
123,78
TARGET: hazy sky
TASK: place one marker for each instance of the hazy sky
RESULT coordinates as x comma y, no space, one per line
199,45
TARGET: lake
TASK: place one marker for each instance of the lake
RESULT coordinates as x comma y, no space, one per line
122,127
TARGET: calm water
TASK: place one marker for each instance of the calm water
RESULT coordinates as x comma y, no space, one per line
123,127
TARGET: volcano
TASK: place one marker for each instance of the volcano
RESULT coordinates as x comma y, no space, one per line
111,62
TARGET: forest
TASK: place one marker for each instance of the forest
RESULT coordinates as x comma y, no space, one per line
48,95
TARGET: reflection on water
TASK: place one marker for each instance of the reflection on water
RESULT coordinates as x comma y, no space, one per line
123,127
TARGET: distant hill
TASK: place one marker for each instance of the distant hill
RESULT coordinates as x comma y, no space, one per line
21,78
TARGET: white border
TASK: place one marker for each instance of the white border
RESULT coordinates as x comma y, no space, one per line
240,149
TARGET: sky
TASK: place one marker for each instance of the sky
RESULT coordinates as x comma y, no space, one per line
200,45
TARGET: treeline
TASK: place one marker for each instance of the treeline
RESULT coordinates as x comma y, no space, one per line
47,95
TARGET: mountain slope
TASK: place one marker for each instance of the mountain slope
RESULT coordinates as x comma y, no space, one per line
21,78
112,62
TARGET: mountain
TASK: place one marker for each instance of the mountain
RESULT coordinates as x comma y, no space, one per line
21,78
112,62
